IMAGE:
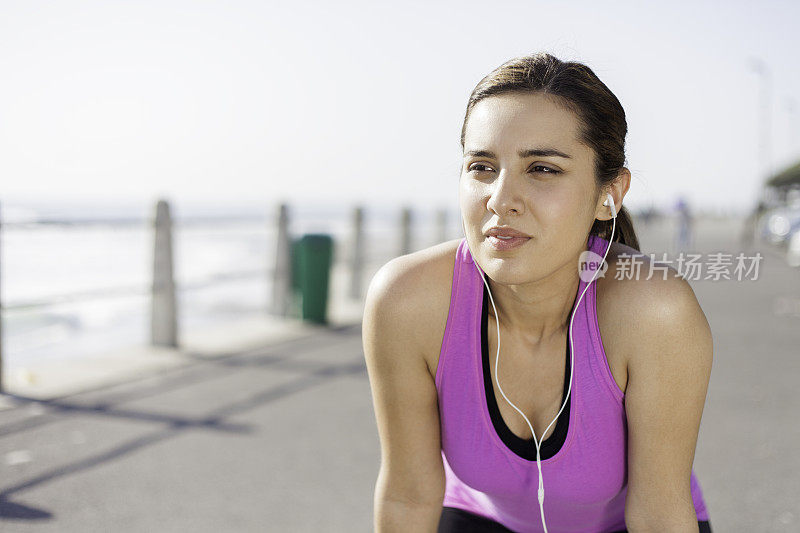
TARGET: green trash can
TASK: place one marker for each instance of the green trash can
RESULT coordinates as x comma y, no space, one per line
312,256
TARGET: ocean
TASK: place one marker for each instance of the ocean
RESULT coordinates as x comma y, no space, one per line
75,279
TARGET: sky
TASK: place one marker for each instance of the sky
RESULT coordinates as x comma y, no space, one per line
345,103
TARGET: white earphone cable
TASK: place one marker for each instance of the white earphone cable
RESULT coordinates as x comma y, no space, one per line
572,358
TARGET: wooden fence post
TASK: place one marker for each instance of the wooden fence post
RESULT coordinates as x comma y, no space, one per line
357,257
441,225
163,317
405,231
281,276
2,391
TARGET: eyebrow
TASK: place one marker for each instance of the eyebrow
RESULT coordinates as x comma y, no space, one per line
531,152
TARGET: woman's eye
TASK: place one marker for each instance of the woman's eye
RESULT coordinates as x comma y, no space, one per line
480,167
545,170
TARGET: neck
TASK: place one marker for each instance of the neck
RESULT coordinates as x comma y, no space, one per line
538,310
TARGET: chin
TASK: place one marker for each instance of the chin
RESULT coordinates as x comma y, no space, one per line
504,268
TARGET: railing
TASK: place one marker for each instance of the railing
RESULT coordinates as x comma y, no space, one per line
163,287
131,290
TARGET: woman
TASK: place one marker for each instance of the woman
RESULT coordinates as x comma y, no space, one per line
616,420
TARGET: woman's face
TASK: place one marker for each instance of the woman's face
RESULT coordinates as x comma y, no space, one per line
524,168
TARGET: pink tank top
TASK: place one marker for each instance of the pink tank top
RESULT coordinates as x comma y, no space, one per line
585,475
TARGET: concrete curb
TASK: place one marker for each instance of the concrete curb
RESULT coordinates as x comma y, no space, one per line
50,380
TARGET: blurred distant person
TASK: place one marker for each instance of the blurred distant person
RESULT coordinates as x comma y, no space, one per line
647,215
542,183
750,225
685,224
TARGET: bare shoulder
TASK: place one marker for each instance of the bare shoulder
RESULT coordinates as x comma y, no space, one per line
639,299
414,289
637,288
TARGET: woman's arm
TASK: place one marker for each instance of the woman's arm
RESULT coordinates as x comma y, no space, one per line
410,486
669,358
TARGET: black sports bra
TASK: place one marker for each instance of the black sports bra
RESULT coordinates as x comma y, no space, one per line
525,448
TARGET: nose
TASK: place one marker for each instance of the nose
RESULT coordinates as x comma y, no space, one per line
505,197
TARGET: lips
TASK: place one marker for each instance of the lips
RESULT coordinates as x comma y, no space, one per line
502,238
506,232
503,244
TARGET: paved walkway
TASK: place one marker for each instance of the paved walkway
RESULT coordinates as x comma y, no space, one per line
282,437
747,456
274,439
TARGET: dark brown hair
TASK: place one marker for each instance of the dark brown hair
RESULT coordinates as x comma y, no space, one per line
602,119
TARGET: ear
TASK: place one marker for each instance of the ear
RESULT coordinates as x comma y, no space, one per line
618,189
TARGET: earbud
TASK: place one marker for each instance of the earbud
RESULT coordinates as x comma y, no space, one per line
610,203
